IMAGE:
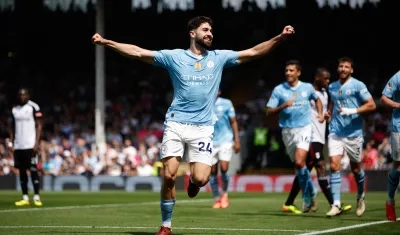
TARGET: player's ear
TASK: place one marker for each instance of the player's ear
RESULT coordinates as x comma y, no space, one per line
352,70
192,34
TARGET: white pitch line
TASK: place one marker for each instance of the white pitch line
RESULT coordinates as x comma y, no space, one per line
115,205
102,206
347,227
134,227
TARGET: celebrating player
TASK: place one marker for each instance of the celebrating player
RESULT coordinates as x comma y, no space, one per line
315,156
292,100
189,125
349,99
225,141
391,98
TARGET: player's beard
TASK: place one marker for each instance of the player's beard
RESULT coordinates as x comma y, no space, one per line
201,42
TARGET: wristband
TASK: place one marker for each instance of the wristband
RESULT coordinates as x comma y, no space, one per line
348,111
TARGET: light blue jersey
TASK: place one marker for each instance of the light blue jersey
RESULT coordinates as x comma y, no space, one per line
195,80
392,91
223,132
299,114
352,94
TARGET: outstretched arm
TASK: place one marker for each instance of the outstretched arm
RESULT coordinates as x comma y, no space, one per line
265,47
128,50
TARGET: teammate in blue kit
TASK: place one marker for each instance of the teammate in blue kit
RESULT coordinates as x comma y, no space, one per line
226,140
349,99
292,100
195,75
391,98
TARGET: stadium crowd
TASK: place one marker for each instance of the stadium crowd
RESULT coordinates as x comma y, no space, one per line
134,129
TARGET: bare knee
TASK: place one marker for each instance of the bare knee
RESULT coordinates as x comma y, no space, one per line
214,169
200,179
224,166
355,167
335,163
321,168
171,166
200,174
300,158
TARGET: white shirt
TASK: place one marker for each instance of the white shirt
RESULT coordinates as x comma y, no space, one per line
25,125
319,129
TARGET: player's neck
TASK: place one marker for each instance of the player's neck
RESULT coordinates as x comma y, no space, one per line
317,88
344,80
294,83
197,49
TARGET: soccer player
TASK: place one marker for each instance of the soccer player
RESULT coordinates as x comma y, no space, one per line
315,156
391,98
350,99
25,132
225,141
292,101
195,74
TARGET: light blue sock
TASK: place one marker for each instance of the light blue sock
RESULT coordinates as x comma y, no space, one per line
336,184
311,188
360,183
166,212
304,177
393,183
225,181
214,186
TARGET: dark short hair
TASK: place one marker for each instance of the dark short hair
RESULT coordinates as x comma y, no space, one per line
195,22
346,59
319,71
295,63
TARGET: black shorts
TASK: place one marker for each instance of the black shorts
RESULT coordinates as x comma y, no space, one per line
24,158
315,154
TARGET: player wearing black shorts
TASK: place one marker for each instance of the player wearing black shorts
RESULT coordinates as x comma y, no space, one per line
25,132
315,158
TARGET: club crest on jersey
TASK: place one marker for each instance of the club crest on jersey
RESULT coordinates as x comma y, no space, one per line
294,95
348,92
304,93
340,92
197,66
210,64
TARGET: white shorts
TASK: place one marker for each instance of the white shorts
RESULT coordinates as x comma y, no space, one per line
395,143
352,145
191,142
223,153
295,138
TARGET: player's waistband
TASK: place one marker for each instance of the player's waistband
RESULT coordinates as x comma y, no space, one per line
187,124
296,128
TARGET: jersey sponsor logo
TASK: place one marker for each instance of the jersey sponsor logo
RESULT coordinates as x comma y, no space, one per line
196,80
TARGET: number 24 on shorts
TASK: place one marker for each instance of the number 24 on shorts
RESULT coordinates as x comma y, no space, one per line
202,145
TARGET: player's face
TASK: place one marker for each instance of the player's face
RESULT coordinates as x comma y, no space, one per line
203,36
324,79
23,96
292,73
345,70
